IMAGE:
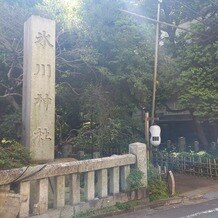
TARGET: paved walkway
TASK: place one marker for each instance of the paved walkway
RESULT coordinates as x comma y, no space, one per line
203,200
195,186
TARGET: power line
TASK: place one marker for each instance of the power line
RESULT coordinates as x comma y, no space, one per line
213,2
188,7
163,23
192,10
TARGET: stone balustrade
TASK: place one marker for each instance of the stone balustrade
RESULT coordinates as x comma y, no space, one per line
102,177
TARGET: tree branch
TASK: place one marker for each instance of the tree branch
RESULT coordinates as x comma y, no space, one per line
66,83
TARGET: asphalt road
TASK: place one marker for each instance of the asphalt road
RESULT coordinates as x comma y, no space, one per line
208,209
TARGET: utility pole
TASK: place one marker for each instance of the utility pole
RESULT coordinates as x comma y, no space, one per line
147,140
155,61
146,117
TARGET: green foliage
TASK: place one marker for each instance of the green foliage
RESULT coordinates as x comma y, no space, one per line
134,179
13,155
198,80
110,84
123,205
10,126
87,214
104,66
157,188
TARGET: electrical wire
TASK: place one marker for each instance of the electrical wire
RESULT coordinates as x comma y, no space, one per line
192,10
164,23
213,2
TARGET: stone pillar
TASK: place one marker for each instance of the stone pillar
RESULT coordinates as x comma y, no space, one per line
169,144
139,149
90,185
181,143
96,155
38,109
59,191
196,146
41,205
75,189
114,183
213,146
124,172
171,183
25,199
102,183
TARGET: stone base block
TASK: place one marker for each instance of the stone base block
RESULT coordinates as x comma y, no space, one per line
96,204
9,204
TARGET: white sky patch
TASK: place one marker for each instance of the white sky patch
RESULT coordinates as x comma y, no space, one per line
201,213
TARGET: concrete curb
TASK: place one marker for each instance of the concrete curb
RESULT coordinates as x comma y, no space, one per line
152,205
145,205
169,201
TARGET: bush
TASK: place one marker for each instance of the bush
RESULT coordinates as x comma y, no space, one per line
13,155
157,188
123,206
10,126
134,179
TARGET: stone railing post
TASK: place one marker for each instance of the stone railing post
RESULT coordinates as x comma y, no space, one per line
59,191
139,149
114,180
75,188
102,183
89,185
41,197
25,199
124,172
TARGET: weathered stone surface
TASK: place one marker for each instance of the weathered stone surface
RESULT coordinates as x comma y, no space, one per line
89,185
69,211
66,212
5,188
213,146
141,193
102,183
25,199
196,146
38,113
171,183
9,204
59,191
41,204
96,154
56,169
67,150
75,189
169,144
124,172
182,143
139,149
114,180
54,213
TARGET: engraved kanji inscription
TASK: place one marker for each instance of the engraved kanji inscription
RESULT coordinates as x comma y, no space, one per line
41,135
43,101
43,69
43,39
